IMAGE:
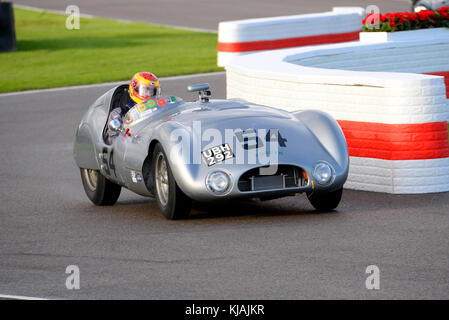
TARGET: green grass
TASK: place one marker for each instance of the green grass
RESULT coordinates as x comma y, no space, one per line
102,50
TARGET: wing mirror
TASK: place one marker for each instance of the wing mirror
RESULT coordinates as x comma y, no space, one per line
203,91
115,125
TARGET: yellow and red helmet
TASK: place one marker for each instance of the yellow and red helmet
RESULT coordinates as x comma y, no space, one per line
144,85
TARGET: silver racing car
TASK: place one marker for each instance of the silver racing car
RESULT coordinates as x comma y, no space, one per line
208,150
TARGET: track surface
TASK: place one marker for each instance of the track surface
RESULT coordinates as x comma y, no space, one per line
278,249
205,14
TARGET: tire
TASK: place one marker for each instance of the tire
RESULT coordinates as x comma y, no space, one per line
172,202
326,201
99,190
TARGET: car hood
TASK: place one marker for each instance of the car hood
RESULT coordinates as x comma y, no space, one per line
220,110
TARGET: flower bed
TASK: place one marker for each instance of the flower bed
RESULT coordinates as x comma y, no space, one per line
402,21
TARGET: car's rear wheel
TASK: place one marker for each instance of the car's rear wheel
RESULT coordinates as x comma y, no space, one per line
172,202
325,201
99,190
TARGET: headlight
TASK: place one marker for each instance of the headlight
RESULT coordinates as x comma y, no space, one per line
323,173
218,182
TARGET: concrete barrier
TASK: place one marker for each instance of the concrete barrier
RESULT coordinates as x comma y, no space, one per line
248,36
393,115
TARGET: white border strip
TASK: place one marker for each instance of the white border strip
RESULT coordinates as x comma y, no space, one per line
5,296
22,6
89,16
106,84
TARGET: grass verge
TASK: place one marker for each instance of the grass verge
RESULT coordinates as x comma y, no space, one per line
102,50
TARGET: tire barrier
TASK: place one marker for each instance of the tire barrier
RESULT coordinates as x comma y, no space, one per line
394,111
240,37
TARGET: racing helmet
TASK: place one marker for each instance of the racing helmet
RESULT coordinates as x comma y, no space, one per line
144,85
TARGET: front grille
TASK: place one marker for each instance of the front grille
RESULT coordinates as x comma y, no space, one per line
286,176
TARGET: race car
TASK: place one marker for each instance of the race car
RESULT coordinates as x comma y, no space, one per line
209,150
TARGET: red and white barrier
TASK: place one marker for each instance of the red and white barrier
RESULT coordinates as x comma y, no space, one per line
240,37
395,122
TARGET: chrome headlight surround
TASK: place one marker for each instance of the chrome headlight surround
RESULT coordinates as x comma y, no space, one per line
219,182
323,173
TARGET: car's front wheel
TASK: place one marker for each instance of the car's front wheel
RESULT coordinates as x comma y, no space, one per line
99,190
172,202
325,201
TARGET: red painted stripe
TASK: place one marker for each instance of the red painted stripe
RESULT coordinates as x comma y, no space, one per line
287,43
396,141
445,74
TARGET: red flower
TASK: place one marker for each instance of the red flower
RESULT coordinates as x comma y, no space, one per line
414,17
426,15
412,20
422,15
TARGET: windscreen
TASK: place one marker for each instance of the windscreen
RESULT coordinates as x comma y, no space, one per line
148,107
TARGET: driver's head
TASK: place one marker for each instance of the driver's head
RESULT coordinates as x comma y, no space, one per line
143,86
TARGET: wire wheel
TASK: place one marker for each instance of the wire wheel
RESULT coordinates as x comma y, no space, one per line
99,190
162,185
172,202
91,177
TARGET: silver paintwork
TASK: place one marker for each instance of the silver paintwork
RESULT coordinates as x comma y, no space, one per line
312,136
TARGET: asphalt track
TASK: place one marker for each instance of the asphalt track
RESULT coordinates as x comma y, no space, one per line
205,14
279,249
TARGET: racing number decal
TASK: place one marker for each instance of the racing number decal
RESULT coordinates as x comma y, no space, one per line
249,139
275,135
107,159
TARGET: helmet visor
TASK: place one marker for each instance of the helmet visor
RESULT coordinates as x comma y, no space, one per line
146,91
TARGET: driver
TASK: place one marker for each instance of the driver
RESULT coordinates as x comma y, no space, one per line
143,86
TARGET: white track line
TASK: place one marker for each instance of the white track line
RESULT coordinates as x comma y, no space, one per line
22,6
5,296
110,84
89,16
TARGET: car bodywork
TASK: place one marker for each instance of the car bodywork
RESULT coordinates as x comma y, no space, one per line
188,131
